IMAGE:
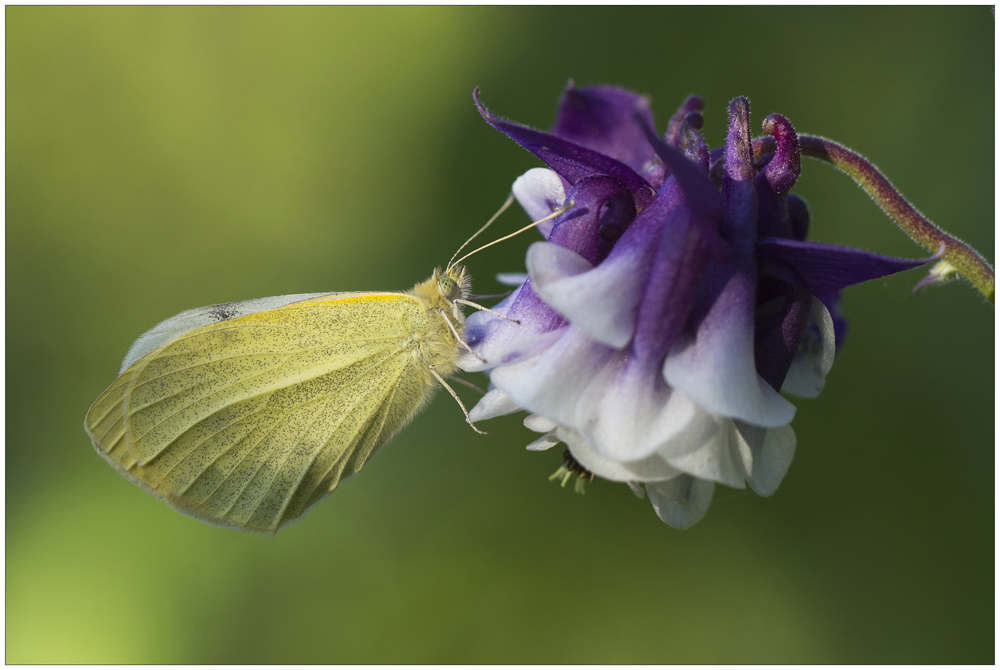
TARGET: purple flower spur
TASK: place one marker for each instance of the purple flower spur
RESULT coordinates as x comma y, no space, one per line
675,296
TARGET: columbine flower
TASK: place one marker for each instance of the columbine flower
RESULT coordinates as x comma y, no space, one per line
669,304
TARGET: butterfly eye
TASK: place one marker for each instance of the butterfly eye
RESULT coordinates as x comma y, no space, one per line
449,288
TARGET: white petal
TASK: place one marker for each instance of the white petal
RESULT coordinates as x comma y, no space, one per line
548,263
748,443
539,423
540,192
682,501
634,414
771,459
487,331
715,365
494,403
637,489
651,469
506,346
552,382
546,441
511,278
717,457
813,360
602,302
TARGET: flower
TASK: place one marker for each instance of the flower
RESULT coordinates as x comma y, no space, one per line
669,304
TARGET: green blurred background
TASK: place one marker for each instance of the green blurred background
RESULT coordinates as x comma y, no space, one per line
166,158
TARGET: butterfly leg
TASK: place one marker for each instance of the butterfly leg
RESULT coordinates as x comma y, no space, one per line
472,386
454,395
461,340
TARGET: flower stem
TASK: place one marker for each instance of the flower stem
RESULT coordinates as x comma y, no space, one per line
964,258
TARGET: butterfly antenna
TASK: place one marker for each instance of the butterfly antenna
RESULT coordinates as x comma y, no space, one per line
566,206
503,208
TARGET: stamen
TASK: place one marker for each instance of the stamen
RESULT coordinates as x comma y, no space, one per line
558,473
569,467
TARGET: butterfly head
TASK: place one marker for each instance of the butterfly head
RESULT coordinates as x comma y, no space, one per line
453,284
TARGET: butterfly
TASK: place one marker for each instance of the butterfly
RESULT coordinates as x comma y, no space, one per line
246,414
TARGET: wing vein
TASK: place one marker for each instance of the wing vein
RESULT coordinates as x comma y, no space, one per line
312,461
395,388
105,416
222,453
370,368
212,362
278,420
288,453
236,497
133,411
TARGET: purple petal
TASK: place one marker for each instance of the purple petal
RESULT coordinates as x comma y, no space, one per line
798,217
692,143
601,206
738,196
678,270
570,160
713,362
826,268
604,301
777,178
697,186
495,339
783,308
693,103
784,169
601,118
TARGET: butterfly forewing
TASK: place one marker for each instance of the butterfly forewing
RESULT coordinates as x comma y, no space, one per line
248,421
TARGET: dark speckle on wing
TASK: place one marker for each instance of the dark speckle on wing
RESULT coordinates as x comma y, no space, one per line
226,310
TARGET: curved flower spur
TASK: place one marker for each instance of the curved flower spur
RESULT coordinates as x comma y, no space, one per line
675,297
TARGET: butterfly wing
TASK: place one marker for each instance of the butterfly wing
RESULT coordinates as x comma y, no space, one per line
247,421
